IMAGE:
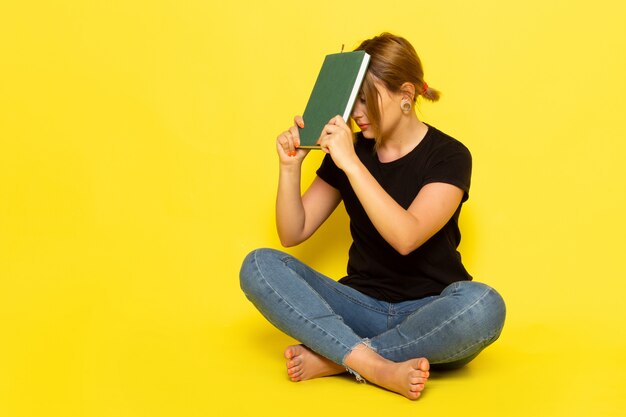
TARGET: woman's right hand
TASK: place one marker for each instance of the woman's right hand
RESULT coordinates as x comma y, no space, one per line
287,144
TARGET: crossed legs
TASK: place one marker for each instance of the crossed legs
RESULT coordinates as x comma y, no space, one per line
334,323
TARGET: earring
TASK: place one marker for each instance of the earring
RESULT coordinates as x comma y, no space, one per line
405,105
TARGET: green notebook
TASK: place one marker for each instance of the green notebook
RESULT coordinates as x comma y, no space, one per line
334,93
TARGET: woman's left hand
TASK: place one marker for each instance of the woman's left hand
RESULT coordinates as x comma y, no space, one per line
337,140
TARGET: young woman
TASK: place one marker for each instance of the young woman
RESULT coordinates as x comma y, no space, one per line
407,301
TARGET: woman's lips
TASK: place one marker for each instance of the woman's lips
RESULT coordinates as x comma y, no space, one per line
363,127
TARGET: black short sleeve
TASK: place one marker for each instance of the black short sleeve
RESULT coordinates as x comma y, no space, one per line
451,163
329,172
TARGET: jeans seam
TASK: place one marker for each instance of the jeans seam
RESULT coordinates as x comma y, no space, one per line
459,355
485,341
438,327
306,319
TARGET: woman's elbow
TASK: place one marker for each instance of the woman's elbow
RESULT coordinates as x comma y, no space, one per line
286,243
405,250
406,247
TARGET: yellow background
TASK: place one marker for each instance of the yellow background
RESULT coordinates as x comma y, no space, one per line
137,168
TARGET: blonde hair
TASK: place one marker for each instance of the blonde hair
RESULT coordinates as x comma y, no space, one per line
393,62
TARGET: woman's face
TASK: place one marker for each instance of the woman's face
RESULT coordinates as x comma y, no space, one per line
390,112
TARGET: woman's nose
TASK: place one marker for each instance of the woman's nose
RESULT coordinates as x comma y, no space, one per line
357,110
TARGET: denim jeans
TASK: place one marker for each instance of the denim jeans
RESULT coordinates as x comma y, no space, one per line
330,318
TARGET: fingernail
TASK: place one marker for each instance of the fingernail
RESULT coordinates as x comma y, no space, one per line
301,124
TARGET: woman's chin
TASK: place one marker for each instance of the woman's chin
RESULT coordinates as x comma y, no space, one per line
367,134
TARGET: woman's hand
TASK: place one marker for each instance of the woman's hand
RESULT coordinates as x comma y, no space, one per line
287,144
337,139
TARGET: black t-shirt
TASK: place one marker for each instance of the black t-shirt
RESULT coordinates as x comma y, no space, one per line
374,266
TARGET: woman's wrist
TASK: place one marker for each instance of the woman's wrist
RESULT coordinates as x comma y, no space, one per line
291,166
354,167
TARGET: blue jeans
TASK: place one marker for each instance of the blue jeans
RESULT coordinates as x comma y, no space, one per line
330,318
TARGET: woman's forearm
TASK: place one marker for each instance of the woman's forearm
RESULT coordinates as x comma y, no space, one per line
396,225
290,215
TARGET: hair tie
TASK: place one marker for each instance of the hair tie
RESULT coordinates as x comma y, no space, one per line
425,88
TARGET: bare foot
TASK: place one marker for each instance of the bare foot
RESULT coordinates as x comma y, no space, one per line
303,364
406,378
